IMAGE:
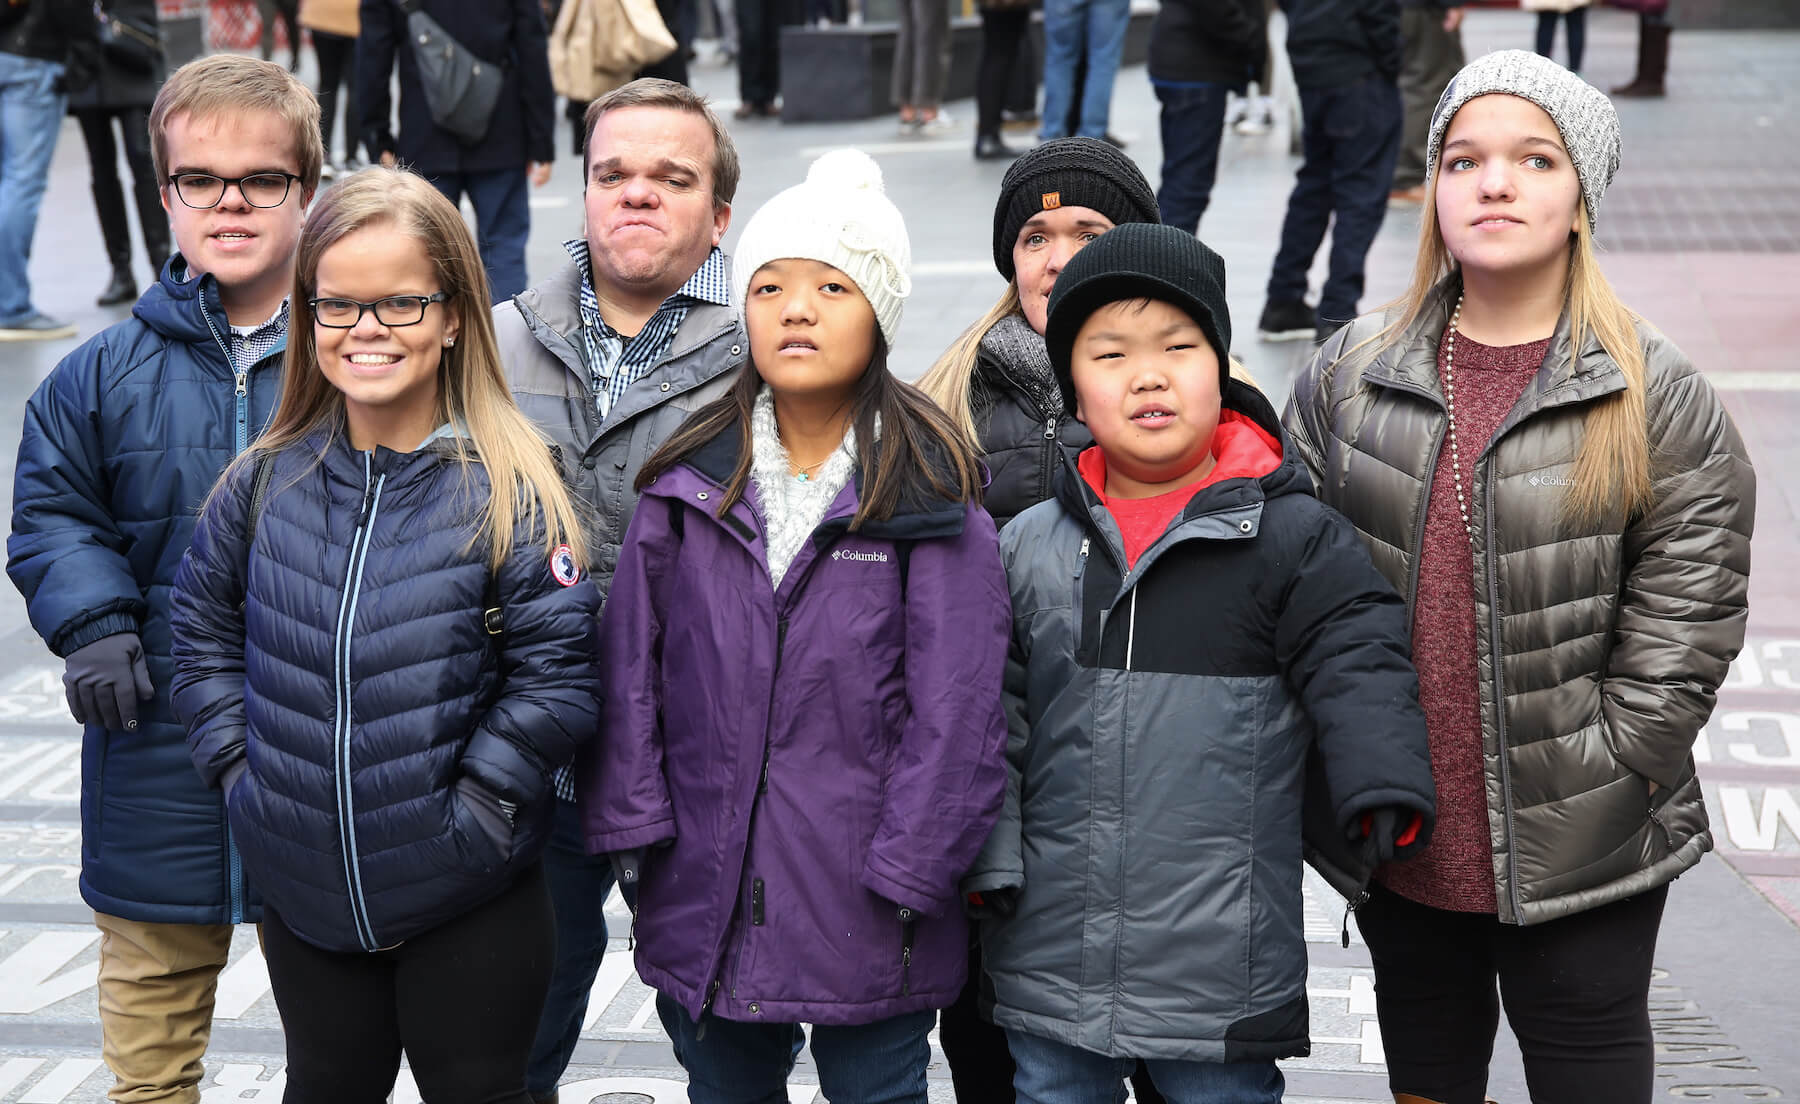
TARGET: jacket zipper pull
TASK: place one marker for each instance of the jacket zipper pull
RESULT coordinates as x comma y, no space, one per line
906,942
1351,906
1081,564
368,505
1050,429
700,1029
243,382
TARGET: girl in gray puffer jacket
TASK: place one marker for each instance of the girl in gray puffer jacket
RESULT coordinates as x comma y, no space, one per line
1567,508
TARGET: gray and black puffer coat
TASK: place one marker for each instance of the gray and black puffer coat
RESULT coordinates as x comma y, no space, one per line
1020,422
1602,644
1160,724
385,754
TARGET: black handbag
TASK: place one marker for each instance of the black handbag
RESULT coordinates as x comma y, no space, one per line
129,44
460,88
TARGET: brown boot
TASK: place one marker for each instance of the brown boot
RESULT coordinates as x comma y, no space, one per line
1653,62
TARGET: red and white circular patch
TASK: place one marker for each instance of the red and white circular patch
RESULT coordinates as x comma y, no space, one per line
562,566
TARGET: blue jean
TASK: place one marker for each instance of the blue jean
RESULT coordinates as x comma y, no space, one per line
579,883
1350,138
1073,28
1193,121
1054,1073
31,111
502,223
731,1062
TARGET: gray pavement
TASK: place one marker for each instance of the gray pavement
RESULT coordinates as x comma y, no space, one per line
1702,232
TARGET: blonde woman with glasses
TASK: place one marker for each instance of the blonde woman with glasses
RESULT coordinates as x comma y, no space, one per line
382,651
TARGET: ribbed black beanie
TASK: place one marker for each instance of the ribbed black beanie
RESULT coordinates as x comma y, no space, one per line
1069,172
1163,263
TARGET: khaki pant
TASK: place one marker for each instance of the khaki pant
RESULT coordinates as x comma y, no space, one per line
1431,57
156,1003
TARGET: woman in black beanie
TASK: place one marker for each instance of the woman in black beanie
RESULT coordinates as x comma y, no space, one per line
996,382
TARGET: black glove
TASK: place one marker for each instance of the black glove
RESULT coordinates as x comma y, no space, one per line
1386,831
992,904
106,679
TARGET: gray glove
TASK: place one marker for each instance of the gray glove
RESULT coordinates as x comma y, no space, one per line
106,679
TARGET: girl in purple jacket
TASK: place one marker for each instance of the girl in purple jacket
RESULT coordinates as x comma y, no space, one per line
802,744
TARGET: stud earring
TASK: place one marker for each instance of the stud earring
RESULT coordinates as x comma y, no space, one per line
449,341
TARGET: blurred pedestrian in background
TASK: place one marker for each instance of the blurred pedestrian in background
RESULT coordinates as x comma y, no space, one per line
1089,36
1004,24
1573,16
1346,57
284,12
1653,47
1200,52
921,65
108,86
334,25
35,41
520,142
1431,53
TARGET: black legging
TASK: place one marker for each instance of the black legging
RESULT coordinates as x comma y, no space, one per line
1576,21
1576,989
462,1000
109,197
1002,33
337,68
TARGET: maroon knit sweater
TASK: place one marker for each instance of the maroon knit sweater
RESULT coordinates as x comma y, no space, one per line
1455,870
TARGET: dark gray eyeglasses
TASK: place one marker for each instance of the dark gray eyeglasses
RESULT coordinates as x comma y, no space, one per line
204,190
395,310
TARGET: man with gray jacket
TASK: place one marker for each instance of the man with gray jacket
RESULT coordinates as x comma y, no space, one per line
608,356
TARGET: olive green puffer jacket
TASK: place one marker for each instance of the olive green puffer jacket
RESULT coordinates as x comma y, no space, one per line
1602,645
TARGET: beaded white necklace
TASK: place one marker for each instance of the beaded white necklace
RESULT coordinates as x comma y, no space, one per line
1462,501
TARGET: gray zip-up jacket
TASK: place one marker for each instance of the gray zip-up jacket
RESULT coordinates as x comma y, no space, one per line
1601,646
539,333
1165,725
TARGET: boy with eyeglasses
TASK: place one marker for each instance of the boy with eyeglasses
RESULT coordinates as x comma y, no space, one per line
121,445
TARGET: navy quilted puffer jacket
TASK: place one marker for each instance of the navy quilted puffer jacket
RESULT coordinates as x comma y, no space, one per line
351,670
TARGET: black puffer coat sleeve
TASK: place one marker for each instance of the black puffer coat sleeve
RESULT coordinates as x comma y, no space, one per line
207,626
548,675
1342,637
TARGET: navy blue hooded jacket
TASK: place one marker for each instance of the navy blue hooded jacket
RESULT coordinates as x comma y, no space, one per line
346,660
121,445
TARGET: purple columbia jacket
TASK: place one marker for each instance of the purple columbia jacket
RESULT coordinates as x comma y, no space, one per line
822,762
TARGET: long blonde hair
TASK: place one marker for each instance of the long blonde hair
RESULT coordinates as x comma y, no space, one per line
524,483
950,382
1613,470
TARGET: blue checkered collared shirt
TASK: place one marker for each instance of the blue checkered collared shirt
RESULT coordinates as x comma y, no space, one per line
614,361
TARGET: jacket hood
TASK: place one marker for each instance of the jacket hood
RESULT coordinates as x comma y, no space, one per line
179,310
914,519
1289,476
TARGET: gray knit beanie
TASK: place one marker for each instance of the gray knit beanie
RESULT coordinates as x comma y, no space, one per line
1583,115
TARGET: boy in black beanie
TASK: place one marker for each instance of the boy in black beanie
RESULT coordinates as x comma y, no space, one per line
1190,626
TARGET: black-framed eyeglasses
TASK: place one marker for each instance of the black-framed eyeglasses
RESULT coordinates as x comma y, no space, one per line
204,190
395,310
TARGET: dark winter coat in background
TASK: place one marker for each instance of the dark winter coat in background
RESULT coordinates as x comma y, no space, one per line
1210,41
509,33
1336,43
48,29
1161,722
96,81
345,661
1022,438
813,767
1602,644
121,445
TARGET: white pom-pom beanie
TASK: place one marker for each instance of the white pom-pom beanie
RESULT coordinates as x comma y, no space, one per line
839,215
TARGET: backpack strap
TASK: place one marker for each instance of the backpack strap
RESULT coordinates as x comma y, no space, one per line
493,615
259,494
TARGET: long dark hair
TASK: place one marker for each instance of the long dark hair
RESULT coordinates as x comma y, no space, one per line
921,454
